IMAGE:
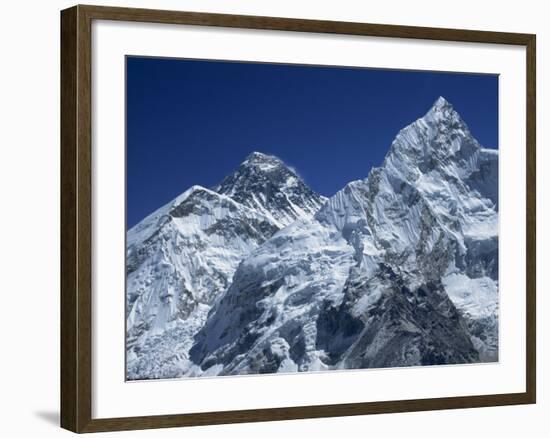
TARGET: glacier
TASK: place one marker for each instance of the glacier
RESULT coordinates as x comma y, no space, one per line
262,275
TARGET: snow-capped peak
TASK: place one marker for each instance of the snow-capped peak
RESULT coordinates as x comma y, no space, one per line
432,140
443,112
265,183
441,102
263,161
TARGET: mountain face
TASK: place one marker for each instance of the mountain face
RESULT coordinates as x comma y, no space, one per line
398,269
183,256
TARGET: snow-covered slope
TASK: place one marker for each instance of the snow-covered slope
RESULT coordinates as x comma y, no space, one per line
183,256
398,269
269,311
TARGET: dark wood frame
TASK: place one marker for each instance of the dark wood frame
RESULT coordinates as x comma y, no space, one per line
76,236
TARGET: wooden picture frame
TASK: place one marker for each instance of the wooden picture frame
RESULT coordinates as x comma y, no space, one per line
76,218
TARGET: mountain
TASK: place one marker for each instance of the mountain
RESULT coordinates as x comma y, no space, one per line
264,183
398,269
183,256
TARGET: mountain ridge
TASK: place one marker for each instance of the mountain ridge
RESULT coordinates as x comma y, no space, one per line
412,222
397,269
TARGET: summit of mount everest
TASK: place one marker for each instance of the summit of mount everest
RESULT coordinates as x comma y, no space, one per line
260,274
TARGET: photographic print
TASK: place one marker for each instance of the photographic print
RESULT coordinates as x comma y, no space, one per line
297,218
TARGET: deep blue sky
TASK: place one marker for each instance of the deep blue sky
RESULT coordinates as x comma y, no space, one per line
193,122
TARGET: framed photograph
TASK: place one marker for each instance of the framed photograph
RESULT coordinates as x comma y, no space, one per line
270,218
